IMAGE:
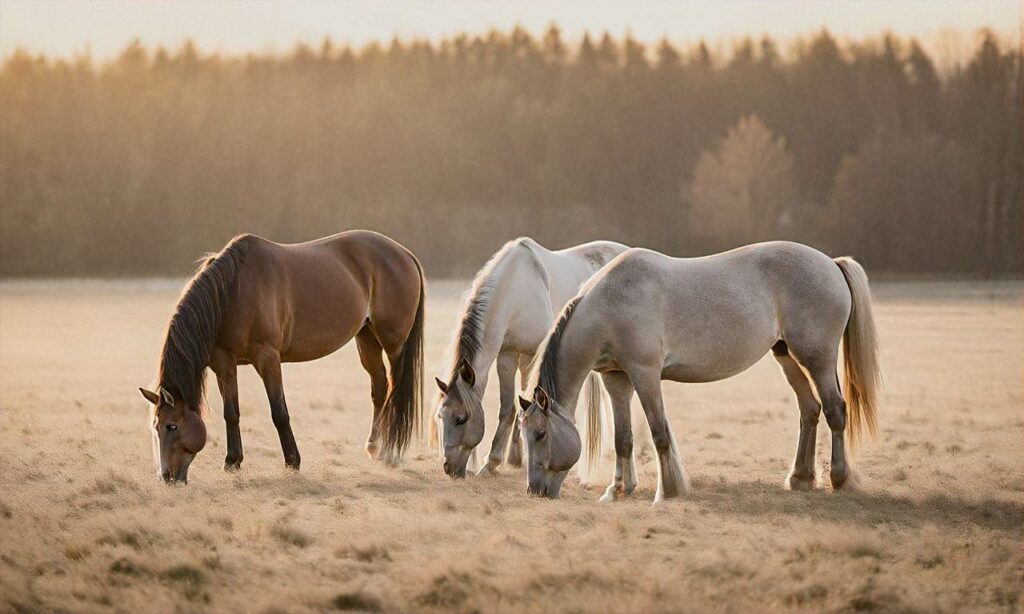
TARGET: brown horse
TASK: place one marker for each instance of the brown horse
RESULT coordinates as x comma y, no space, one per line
261,303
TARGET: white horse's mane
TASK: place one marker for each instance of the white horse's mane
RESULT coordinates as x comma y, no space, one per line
470,331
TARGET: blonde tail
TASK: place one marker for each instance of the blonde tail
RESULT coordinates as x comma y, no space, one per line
593,399
862,379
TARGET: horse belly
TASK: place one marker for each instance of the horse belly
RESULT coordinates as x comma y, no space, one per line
710,371
723,346
322,321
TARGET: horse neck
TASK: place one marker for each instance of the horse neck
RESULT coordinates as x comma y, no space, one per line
495,326
570,374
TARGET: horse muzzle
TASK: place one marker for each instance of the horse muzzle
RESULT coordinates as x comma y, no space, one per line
175,477
455,461
452,471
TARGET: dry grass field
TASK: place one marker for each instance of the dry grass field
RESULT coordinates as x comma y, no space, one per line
85,526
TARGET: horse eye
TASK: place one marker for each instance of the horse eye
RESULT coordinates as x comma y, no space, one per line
540,435
172,427
461,420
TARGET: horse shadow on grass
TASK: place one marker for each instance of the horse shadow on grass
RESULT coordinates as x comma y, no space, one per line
863,507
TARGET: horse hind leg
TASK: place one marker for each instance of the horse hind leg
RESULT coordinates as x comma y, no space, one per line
826,382
802,476
370,356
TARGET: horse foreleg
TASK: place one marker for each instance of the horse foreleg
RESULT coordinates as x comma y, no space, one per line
803,475
506,366
515,447
671,478
620,389
226,369
267,361
370,356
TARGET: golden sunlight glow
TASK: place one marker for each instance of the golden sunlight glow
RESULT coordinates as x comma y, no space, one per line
66,28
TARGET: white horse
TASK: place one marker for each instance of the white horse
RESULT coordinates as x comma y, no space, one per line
511,305
647,317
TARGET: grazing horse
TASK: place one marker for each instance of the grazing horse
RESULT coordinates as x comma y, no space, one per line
260,303
647,317
511,305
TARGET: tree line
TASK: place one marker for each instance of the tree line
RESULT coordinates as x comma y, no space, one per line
137,165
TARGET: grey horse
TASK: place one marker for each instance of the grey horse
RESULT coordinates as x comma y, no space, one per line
647,317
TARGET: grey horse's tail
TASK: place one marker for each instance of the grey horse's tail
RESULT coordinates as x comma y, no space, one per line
593,397
862,371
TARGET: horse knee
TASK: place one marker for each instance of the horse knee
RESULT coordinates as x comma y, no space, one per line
662,440
809,415
624,444
506,414
835,413
280,418
378,394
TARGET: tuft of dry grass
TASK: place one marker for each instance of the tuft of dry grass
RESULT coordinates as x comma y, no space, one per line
85,525
355,602
188,580
291,536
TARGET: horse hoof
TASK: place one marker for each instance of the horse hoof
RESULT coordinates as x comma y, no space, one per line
847,480
389,459
488,470
800,483
232,466
373,450
664,495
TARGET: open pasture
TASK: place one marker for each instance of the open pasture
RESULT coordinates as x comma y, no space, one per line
85,524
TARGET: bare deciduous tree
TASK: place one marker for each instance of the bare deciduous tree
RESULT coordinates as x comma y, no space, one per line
743,189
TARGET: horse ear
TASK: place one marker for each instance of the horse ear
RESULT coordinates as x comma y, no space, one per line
443,386
167,397
525,403
467,373
541,398
151,396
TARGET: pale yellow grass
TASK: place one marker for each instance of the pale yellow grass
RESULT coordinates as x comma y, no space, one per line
85,526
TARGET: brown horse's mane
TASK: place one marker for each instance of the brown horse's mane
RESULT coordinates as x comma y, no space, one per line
194,327
544,373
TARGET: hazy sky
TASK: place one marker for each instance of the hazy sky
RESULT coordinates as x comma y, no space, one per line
63,27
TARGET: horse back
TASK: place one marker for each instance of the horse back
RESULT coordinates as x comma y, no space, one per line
715,315
309,299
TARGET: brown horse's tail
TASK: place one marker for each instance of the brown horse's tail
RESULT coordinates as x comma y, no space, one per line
402,412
